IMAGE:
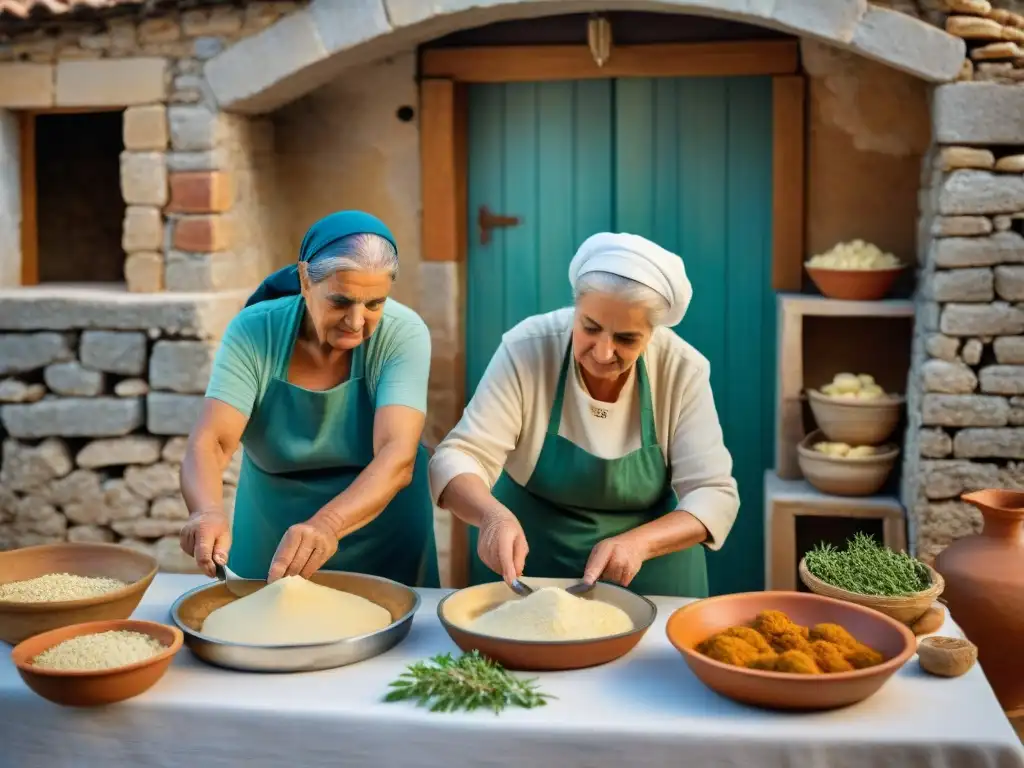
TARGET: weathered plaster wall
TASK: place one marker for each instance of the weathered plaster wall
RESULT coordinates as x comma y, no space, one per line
343,146
260,204
868,128
10,201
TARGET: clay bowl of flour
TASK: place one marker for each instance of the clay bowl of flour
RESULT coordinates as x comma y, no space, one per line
372,615
547,617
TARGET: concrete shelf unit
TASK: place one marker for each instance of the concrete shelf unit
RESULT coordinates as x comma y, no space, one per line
818,338
798,517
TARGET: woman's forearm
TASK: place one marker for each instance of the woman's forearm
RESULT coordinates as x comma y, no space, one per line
202,474
469,499
672,532
370,493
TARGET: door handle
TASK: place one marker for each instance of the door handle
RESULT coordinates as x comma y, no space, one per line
487,221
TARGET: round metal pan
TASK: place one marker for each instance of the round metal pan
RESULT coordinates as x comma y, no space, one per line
190,610
458,610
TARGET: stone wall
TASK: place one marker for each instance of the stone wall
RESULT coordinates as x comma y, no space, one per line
966,390
191,177
97,397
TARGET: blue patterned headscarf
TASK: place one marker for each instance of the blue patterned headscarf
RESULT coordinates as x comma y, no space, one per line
317,242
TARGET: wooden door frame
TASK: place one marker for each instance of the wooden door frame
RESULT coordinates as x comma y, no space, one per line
444,152
27,150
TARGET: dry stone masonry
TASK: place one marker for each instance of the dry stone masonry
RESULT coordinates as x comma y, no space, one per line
97,393
94,424
966,392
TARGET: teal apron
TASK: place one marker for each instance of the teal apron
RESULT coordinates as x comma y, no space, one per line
302,449
573,500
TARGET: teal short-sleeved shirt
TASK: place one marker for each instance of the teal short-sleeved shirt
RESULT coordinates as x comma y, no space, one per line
397,355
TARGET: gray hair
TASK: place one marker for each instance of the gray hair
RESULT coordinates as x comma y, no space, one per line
363,252
624,289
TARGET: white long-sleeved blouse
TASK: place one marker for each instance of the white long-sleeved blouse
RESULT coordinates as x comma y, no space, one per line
504,425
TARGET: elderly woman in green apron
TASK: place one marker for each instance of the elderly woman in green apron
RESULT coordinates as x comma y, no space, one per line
591,448
323,380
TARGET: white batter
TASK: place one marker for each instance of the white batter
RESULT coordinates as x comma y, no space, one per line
294,611
553,614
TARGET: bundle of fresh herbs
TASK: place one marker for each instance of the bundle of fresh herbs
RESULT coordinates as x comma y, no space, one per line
471,682
867,568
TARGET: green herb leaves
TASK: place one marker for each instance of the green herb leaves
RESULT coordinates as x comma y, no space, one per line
470,682
867,568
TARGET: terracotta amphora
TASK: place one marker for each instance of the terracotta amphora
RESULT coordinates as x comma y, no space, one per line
984,576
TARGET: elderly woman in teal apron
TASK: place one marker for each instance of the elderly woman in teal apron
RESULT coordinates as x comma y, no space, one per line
591,448
323,380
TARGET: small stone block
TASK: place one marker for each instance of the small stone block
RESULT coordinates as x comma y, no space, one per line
144,272
200,192
143,229
145,128
203,234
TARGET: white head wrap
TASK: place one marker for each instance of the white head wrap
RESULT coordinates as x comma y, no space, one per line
638,259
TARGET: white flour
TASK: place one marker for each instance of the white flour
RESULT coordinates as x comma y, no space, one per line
293,610
552,613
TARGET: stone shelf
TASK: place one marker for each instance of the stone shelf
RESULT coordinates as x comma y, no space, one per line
818,338
62,307
786,501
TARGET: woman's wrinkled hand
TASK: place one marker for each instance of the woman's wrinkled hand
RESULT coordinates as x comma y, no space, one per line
207,537
502,545
303,550
617,559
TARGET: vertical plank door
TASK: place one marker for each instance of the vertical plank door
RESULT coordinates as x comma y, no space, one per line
541,152
693,173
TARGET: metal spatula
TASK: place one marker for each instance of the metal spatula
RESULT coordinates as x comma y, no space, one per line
236,584
580,588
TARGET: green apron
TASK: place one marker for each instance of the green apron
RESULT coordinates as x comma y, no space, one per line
303,448
574,499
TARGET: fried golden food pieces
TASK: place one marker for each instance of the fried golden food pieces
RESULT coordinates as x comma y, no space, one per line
829,657
766,662
728,650
775,643
749,636
833,633
863,657
797,663
790,640
770,623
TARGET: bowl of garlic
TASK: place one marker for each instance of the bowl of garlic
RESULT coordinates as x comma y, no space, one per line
854,271
842,469
853,409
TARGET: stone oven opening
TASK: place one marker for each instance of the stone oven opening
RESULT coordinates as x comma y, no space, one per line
79,206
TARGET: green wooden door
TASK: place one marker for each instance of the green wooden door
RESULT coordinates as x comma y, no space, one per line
684,162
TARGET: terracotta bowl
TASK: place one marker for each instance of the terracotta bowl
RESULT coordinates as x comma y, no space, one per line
21,620
906,610
854,284
460,608
856,422
845,477
694,623
86,688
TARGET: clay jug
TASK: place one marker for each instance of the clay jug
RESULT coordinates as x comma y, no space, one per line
984,576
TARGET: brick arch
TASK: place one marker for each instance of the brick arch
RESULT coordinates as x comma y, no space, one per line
311,46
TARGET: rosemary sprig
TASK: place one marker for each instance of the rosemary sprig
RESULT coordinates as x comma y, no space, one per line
470,682
867,568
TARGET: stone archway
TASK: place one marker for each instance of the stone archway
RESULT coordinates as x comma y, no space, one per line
309,47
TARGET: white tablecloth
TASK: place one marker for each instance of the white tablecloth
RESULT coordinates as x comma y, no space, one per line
646,709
